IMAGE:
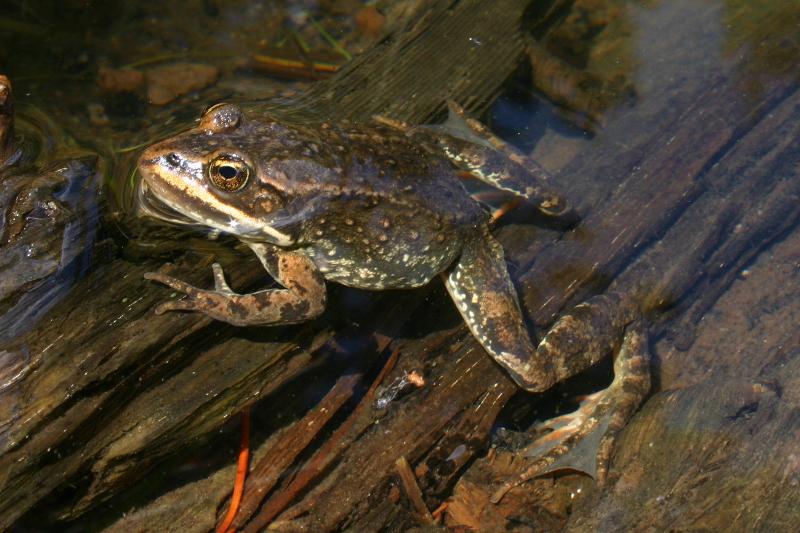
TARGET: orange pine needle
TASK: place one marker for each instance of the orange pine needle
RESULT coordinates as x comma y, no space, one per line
241,474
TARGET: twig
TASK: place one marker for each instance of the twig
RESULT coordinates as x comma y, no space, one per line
412,490
331,40
324,457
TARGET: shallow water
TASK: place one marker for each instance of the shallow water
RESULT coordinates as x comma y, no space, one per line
669,124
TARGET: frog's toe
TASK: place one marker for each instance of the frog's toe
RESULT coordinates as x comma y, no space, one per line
175,305
169,281
220,285
195,300
574,441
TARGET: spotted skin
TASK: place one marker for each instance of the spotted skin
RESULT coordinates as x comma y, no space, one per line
480,286
484,295
470,146
378,206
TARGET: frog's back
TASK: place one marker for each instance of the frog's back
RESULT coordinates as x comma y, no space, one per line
387,213
375,160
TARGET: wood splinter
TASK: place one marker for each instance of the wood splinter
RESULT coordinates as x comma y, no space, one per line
412,490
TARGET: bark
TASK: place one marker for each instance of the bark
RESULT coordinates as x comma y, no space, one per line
705,179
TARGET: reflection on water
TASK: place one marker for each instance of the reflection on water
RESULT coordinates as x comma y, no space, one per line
694,103
50,213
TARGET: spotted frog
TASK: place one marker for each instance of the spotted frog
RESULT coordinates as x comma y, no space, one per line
381,205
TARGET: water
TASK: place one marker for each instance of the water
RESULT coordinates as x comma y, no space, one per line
671,125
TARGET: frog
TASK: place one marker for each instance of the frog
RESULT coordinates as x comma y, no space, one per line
381,204
9,152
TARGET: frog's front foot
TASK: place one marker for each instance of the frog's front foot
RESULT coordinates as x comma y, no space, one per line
584,440
302,298
210,302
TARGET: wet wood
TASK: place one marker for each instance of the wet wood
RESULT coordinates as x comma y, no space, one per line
673,216
711,163
329,452
442,53
412,491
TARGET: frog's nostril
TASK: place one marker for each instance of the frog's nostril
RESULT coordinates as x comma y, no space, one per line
173,159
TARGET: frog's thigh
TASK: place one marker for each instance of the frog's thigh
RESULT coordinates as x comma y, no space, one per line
484,295
482,290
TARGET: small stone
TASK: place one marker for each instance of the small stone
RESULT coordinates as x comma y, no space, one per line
165,83
119,80
370,22
97,115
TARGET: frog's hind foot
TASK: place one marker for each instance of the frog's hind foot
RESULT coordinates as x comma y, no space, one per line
583,440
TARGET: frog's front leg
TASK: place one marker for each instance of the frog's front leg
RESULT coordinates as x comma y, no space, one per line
483,292
302,298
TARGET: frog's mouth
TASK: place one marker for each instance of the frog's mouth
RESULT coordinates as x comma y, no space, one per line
149,205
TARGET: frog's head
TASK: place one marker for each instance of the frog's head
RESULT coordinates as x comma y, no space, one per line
208,176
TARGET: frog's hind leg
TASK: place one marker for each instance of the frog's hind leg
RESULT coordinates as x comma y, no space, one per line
484,295
472,147
480,286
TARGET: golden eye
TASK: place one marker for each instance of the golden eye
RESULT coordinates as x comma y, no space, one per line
228,173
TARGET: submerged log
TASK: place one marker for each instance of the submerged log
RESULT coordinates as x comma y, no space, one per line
109,391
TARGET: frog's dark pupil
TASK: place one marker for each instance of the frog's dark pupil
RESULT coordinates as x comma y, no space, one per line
227,172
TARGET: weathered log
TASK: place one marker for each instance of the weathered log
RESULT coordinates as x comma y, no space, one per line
704,159
680,162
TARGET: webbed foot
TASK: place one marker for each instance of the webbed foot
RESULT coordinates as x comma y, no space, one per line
583,440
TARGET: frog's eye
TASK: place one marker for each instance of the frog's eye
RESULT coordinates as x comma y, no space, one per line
228,173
